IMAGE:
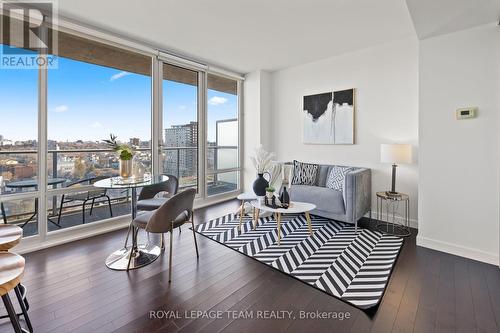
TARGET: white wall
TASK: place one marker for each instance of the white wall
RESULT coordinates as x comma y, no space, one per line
386,81
459,160
257,92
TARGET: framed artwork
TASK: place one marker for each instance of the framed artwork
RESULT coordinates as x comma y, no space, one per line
329,118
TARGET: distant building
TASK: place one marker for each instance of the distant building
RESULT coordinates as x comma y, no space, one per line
181,162
23,171
136,142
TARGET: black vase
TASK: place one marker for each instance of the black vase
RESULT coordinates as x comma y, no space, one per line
285,197
259,185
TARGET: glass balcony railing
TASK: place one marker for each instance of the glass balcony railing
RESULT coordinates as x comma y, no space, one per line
73,165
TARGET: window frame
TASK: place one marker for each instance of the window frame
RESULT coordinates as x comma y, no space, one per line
45,239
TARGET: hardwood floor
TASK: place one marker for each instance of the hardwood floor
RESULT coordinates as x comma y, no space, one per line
71,290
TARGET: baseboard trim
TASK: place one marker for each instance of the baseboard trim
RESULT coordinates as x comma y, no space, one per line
399,219
462,251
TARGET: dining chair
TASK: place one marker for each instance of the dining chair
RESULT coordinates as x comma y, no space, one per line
90,195
147,198
175,212
2,207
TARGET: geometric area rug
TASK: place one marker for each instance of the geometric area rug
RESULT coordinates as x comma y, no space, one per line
354,268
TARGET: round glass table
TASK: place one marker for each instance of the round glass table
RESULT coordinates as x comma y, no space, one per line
128,257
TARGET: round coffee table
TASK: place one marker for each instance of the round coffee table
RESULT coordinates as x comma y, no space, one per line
295,207
243,197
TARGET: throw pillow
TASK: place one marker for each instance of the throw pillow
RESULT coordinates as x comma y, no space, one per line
336,178
304,173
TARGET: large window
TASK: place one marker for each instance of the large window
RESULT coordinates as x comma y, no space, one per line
53,122
19,143
222,135
96,90
180,124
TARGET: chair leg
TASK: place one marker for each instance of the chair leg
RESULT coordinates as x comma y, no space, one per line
162,242
83,211
194,236
24,308
3,213
12,313
170,257
135,232
128,234
60,210
109,204
92,206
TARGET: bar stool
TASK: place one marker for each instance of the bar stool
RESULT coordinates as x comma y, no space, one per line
10,236
11,271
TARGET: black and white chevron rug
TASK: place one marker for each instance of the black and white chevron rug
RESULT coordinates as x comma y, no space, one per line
353,268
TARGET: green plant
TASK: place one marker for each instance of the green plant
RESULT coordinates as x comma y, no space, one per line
270,189
125,152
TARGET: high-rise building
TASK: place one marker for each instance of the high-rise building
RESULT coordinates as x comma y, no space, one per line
184,161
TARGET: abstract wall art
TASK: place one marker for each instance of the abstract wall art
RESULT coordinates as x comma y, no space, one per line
329,118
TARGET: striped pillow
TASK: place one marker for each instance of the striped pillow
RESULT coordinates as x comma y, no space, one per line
304,173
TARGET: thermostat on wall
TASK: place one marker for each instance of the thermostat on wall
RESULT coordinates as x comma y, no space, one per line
466,113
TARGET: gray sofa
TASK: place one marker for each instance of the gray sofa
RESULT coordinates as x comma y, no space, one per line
346,206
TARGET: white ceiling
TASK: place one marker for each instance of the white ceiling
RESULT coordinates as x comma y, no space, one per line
437,17
246,35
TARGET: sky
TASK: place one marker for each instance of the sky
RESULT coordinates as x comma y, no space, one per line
87,102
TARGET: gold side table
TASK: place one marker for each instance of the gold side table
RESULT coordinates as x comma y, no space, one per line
392,204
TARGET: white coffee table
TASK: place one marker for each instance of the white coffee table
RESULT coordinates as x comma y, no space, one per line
243,197
296,207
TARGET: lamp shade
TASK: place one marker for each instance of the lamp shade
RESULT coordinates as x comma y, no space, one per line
395,153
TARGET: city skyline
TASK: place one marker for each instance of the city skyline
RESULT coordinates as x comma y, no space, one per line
113,100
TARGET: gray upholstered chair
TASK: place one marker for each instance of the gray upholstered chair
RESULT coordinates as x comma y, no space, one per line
175,212
147,200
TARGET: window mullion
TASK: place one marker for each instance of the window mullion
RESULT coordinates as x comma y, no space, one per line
42,143
156,117
202,133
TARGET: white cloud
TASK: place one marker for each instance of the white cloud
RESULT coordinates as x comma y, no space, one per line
96,124
217,100
118,76
61,108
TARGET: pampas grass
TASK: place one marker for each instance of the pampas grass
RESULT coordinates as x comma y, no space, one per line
262,160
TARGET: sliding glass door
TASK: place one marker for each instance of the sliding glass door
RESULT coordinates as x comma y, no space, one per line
223,166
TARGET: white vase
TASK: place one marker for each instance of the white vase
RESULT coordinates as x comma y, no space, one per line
126,167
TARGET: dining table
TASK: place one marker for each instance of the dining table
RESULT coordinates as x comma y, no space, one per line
19,185
127,257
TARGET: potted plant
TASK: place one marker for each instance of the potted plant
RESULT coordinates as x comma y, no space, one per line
125,154
270,192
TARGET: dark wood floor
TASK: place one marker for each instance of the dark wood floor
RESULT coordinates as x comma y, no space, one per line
71,290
